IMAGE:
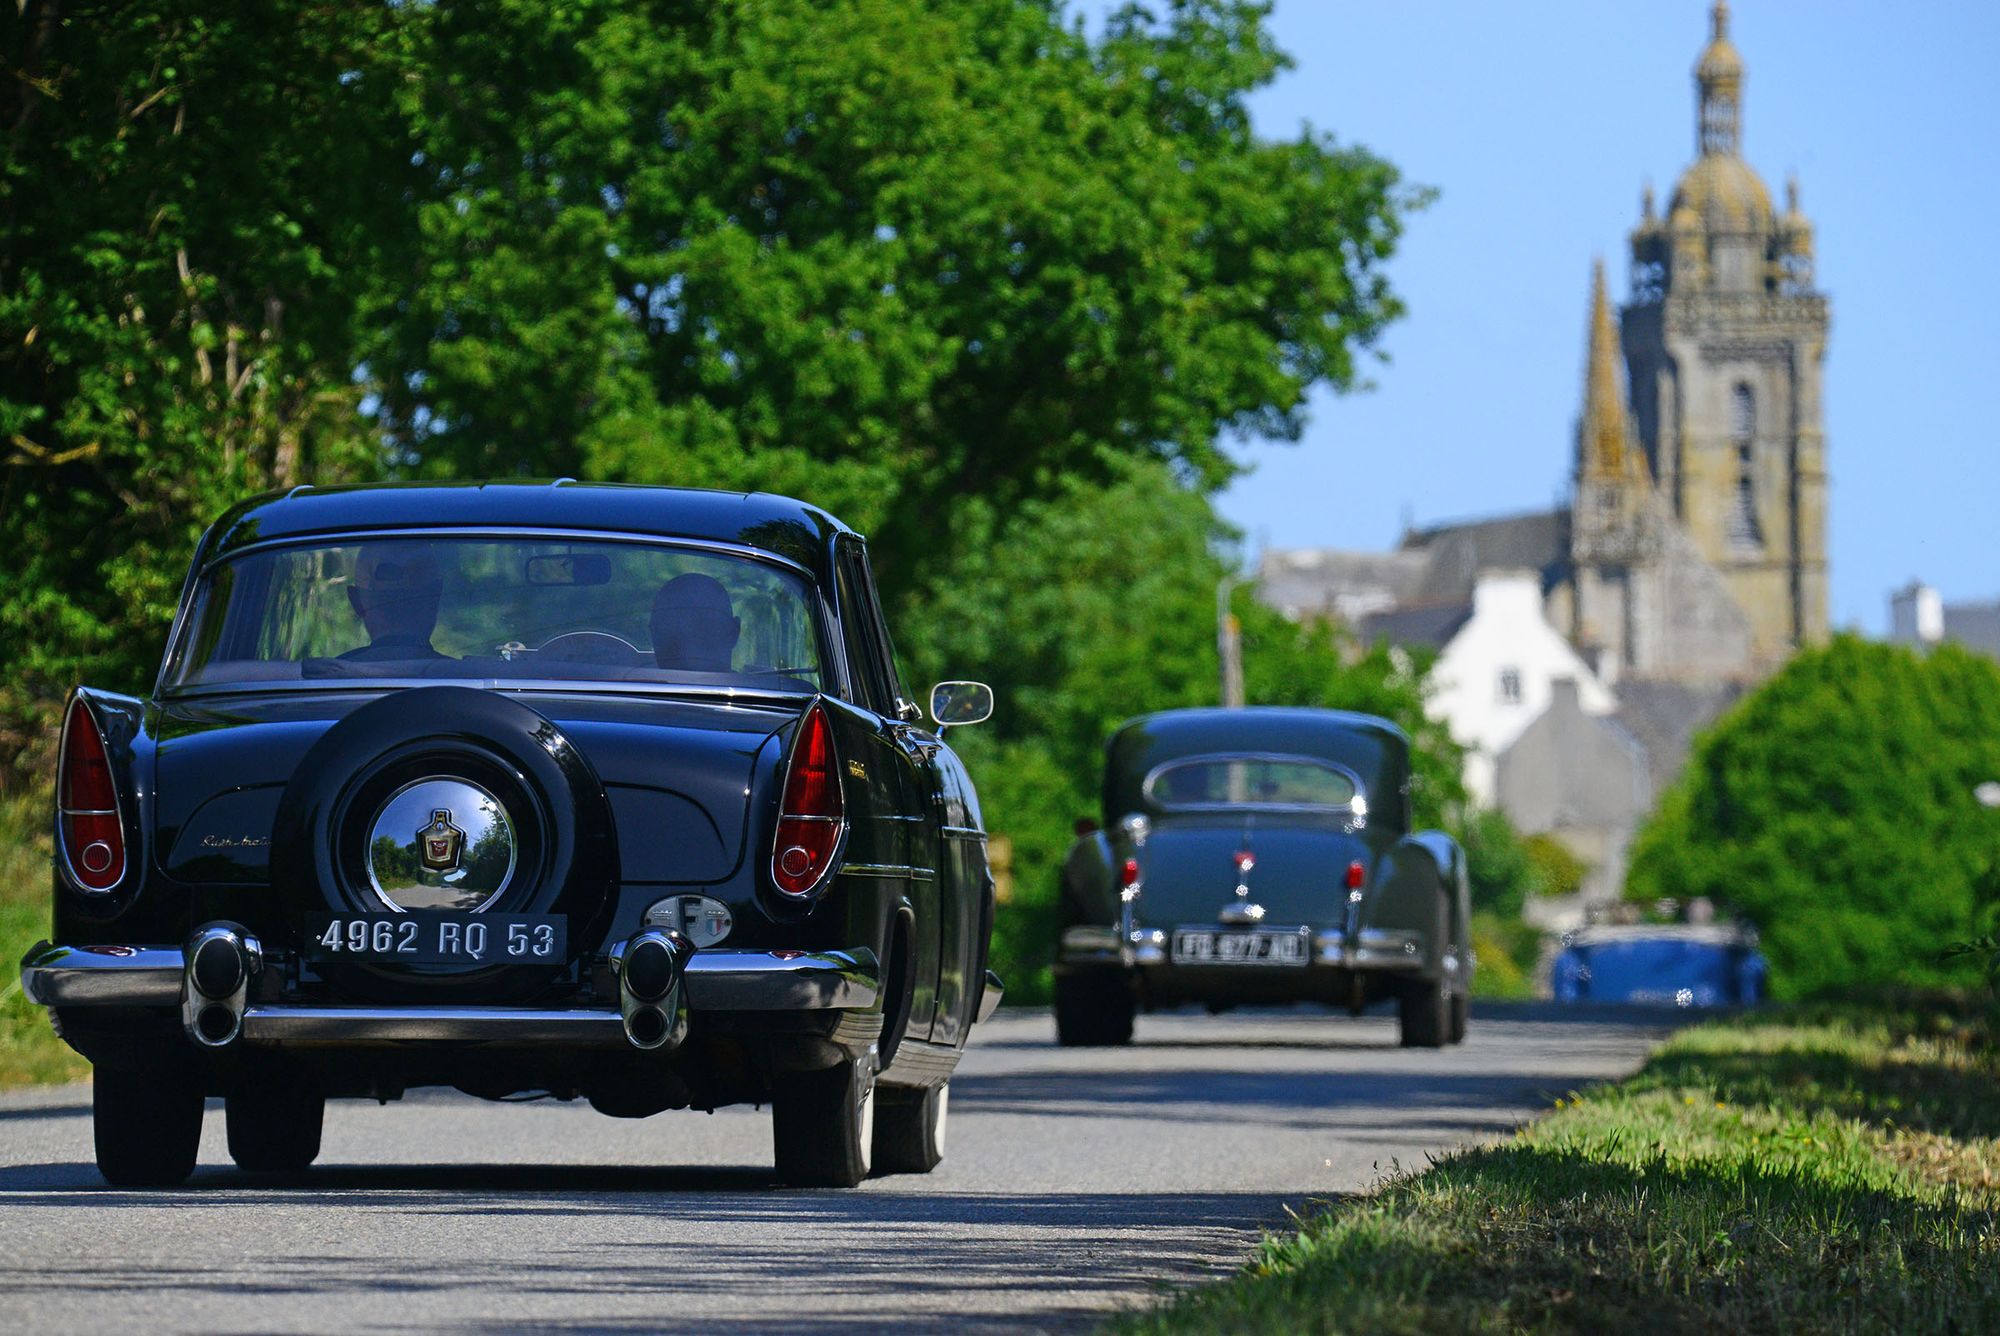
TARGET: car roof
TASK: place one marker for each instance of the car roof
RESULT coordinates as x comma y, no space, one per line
792,529
1371,746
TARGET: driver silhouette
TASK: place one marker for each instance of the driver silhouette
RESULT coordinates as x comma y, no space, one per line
695,627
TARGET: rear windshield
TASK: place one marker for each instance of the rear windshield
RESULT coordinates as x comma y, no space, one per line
497,608
1253,781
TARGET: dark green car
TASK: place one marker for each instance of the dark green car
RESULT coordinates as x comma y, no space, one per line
1260,856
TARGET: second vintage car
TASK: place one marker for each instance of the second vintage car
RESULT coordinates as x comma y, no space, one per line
1261,855
608,793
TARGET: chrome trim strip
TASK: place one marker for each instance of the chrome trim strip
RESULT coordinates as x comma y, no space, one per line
962,832
287,1024
902,871
116,976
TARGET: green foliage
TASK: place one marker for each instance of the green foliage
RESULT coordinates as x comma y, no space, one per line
29,1049
1509,952
194,205
1790,1173
1834,807
1555,870
1503,872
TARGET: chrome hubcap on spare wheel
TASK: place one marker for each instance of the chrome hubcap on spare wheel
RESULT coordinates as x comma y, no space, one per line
440,844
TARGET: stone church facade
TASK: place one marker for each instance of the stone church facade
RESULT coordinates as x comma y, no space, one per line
1691,559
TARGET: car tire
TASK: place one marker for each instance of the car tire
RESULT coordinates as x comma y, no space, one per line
1425,1014
275,1128
147,1126
910,1129
1461,1016
823,1125
1094,1009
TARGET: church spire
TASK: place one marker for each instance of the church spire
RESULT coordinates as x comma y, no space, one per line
1605,449
1718,76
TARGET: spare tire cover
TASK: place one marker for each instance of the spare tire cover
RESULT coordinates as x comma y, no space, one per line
554,850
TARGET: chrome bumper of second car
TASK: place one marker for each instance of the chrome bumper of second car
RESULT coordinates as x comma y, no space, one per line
716,981
1371,949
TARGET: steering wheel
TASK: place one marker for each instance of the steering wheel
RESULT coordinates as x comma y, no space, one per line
591,647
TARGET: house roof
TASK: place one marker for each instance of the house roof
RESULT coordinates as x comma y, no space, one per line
1459,552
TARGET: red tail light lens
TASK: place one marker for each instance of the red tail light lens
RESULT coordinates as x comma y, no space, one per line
93,834
811,815
1356,874
1128,874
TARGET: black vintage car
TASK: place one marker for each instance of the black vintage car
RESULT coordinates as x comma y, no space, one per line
1261,856
603,792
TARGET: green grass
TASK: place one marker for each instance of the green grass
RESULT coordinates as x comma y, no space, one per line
1811,1170
30,1053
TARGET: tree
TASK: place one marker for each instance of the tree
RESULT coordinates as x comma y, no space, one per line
1834,806
960,252
194,203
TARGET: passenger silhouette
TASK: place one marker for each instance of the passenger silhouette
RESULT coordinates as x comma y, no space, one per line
695,627
395,594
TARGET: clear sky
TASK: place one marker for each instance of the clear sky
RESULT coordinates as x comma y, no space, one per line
1538,124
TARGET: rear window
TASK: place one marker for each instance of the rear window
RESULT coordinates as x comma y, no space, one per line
1254,781
498,608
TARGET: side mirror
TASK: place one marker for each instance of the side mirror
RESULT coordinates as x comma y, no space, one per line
954,704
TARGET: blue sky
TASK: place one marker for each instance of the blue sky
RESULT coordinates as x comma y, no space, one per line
1538,124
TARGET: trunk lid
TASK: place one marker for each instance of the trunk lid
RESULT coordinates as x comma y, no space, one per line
1190,874
678,772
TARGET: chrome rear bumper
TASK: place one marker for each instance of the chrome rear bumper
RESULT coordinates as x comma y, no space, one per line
716,981
1372,949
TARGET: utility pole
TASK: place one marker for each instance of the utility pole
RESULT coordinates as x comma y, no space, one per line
1229,643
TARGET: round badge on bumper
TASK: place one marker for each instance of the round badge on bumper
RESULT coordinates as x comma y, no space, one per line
440,844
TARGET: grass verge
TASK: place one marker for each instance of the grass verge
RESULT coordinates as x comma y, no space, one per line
1808,1170
30,1053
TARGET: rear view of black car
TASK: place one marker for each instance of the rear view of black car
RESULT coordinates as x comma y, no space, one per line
1261,856
611,793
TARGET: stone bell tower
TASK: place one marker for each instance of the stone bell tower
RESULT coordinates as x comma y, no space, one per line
1724,337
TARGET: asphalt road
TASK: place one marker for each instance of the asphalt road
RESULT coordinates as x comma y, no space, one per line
1076,1182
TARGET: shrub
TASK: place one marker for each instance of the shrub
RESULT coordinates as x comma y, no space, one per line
1834,806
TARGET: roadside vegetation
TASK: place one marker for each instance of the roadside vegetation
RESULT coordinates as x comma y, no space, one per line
1834,808
1823,1168
29,1049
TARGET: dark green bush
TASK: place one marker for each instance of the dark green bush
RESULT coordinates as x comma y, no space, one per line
1834,806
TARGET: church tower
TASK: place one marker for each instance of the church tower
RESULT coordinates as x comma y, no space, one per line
1725,336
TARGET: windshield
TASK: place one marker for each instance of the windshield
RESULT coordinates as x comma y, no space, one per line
1253,781
495,608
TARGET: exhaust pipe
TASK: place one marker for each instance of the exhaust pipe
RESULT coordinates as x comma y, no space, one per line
650,967
215,983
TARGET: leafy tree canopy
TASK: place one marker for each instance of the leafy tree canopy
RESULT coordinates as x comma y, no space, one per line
889,254
1834,806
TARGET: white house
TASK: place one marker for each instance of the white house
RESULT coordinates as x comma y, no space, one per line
1497,669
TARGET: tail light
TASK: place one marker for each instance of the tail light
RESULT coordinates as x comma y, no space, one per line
1356,874
93,832
811,815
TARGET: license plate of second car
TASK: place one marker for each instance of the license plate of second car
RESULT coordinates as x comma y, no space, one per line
1206,946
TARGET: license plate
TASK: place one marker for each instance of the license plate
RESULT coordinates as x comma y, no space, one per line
1277,946
439,939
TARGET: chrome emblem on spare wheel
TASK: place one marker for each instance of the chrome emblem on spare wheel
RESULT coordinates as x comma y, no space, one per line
442,841
440,844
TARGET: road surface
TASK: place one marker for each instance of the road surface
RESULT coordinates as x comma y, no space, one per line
1076,1182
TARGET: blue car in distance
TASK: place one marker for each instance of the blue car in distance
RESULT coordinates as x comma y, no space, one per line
1650,964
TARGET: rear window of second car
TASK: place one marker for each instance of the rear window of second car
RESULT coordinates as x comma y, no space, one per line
1252,781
